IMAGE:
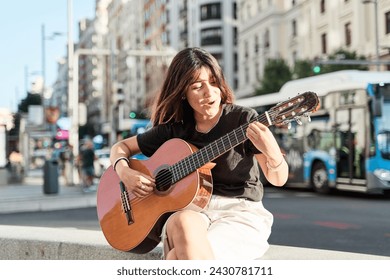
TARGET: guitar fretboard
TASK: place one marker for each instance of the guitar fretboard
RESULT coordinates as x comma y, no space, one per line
212,151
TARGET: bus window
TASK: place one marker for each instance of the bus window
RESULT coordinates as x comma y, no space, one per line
384,144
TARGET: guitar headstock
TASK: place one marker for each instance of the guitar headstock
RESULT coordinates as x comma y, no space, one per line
294,108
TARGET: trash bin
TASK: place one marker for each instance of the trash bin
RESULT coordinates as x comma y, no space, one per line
50,177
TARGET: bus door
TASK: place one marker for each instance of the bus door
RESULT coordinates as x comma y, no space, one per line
350,138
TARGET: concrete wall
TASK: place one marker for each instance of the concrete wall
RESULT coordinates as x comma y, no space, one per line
39,243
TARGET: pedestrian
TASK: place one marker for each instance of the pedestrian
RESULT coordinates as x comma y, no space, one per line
87,159
16,165
67,159
196,105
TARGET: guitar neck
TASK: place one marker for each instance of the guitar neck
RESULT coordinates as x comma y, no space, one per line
213,150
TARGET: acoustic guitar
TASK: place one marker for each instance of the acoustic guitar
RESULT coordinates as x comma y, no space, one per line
183,181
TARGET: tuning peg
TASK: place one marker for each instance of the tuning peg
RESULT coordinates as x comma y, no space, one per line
308,117
298,120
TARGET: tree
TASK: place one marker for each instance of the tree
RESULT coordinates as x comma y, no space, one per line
276,73
16,120
31,99
303,69
340,55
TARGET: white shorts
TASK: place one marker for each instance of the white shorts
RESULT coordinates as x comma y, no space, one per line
237,228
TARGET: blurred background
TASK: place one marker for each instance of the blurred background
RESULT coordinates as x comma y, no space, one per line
114,60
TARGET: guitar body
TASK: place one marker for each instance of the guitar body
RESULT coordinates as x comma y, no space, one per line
150,213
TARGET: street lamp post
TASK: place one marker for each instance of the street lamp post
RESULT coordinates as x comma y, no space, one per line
43,39
375,2
27,74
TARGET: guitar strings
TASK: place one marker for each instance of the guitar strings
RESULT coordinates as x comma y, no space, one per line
184,167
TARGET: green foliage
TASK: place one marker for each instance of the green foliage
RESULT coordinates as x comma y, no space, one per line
340,55
303,69
276,74
31,99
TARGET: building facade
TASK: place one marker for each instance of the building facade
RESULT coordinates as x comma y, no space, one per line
242,34
307,30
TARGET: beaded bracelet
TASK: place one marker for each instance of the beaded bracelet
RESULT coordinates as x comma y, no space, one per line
118,160
276,168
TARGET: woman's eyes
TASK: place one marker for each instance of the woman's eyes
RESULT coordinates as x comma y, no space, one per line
197,86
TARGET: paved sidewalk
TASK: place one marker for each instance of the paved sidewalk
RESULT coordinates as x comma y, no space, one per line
29,196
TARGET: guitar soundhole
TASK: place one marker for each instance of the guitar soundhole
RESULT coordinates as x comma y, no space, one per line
163,180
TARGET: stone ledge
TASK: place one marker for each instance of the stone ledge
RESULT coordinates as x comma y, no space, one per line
39,243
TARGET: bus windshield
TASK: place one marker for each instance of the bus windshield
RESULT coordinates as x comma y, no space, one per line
384,122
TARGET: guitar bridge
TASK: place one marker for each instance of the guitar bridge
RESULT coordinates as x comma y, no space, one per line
126,205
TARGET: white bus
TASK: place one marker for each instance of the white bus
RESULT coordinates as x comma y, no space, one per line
346,145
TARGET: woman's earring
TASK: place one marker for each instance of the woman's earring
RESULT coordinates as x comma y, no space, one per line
183,97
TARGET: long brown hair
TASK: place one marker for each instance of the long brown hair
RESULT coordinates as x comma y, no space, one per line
170,104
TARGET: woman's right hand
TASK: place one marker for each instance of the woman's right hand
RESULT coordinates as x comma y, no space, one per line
137,182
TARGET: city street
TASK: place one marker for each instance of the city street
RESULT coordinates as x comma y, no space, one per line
348,222
344,221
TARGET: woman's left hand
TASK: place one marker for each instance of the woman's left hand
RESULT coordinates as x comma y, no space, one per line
264,140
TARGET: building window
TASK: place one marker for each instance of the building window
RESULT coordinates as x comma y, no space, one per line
210,11
322,6
257,46
246,49
246,73
211,36
235,62
266,39
219,58
257,70
295,56
294,28
348,35
323,43
387,18
235,36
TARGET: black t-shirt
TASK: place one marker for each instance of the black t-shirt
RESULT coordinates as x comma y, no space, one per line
237,172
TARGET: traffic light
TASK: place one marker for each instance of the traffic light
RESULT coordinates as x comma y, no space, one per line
316,69
137,115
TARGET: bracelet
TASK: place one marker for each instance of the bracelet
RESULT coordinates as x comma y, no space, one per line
118,160
276,168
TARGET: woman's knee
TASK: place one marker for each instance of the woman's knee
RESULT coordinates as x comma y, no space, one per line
184,221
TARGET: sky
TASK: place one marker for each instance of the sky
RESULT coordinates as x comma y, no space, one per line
21,24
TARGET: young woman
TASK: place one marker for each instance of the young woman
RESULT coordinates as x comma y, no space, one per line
196,105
